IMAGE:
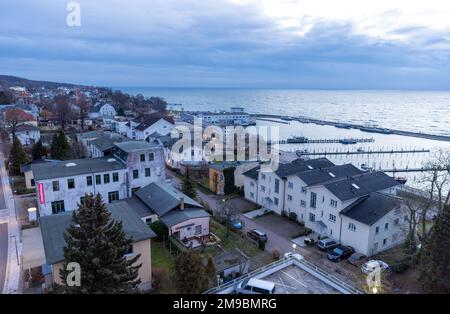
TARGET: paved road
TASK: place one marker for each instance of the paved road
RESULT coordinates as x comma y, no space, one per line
3,253
2,196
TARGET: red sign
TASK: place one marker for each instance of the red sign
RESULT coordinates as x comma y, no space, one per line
41,193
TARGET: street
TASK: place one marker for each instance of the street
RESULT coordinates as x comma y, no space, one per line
3,252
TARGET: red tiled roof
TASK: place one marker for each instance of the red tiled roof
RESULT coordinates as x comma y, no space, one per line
18,114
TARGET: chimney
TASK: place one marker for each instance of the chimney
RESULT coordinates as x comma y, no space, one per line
181,203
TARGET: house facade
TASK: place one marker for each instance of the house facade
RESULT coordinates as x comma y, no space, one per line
27,134
142,128
102,110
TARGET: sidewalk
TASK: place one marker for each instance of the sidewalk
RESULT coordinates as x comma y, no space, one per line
12,275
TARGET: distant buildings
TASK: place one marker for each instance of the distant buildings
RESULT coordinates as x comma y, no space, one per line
340,202
141,128
102,110
237,116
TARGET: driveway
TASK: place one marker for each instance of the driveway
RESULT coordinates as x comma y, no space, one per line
279,225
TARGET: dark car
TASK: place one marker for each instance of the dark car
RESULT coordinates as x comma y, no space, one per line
340,252
257,235
357,259
327,244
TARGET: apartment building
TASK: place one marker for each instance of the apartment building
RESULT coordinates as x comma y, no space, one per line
336,201
143,127
61,185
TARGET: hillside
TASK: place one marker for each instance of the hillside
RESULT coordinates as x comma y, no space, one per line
7,81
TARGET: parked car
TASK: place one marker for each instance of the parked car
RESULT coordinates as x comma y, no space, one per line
340,252
327,244
357,259
255,286
235,223
371,265
257,235
309,241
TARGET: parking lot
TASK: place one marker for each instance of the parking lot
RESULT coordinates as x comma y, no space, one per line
294,280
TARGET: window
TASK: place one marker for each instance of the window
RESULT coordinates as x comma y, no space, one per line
82,200
263,188
313,201
198,229
135,174
55,185
377,230
147,172
289,197
396,221
151,156
142,157
113,196
352,226
394,237
106,178
115,176
375,247
386,226
277,186
304,189
290,185
70,183
58,207
32,182
333,203
312,217
405,218
98,179
134,190
252,195
89,180
275,200
385,242
303,203
252,184
263,176
332,218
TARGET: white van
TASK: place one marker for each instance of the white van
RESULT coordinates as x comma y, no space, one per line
255,286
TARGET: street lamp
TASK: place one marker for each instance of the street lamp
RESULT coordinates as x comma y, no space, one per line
294,246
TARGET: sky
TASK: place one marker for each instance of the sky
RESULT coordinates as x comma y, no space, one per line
323,44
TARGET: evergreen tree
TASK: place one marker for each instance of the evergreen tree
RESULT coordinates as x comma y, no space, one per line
190,275
17,157
38,150
210,271
98,244
60,148
188,187
121,112
435,256
54,147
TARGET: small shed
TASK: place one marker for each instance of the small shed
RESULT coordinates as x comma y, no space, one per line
232,263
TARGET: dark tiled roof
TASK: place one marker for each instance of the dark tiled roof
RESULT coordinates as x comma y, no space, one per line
299,165
371,208
107,141
162,198
58,169
134,204
360,185
178,216
317,176
152,120
54,226
252,173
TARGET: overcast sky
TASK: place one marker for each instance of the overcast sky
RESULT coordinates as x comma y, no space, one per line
356,44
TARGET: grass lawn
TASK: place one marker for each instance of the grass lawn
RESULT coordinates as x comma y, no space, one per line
233,240
161,257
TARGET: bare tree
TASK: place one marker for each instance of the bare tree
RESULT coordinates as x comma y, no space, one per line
63,111
84,107
14,118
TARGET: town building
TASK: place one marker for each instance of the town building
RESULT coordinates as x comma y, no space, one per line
61,185
335,201
141,128
217,179
102,110
237,116
27,134
53,228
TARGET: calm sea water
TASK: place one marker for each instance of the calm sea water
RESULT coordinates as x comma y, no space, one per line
422,111
427,111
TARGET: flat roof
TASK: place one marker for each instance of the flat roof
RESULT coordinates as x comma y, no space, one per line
132,146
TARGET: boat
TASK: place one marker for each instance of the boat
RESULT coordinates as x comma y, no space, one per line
366,168
401,180
297,140
347,141
286,118
373,129
342,126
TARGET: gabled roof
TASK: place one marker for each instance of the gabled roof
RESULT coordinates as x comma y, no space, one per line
299,165
177,216
18,114
107,141
252,173
99,106
54,226
152,120
360,185
162,198
371,208
318,176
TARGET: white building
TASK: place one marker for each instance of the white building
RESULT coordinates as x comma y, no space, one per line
61,185
237,116
338,202
27,134
102,110
142,128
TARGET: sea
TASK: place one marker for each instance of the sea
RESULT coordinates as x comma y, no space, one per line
418,111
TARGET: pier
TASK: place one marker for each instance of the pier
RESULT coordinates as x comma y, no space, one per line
423,169
367,152
388,131
326,141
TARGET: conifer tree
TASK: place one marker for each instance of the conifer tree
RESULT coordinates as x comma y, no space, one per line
435,256
60,148
17,156
190,275
54,147
99,245
210,271
38,150
188,187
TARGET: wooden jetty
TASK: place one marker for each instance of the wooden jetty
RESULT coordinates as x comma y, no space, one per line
325,141
366,152
423,169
